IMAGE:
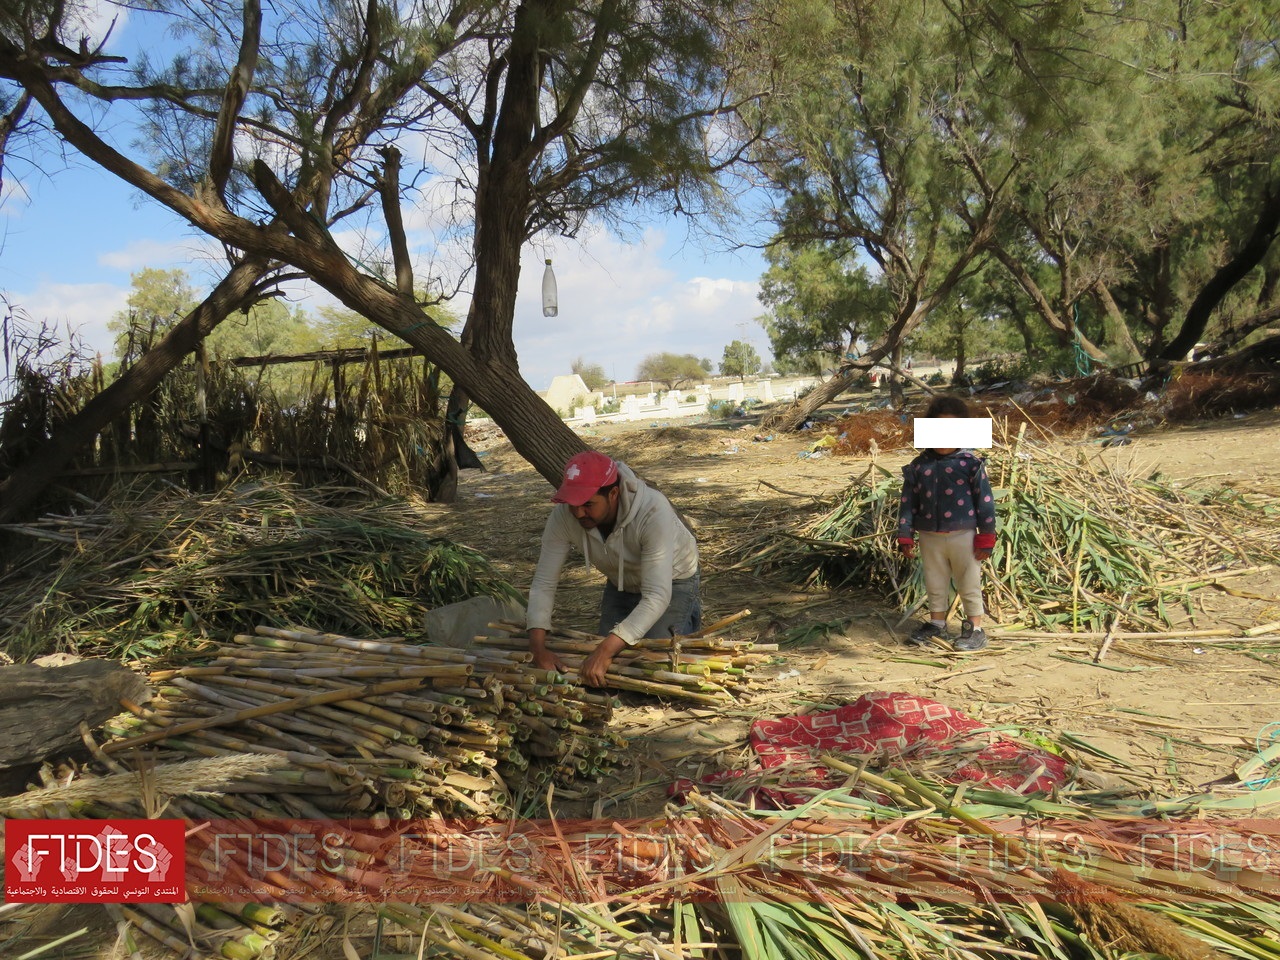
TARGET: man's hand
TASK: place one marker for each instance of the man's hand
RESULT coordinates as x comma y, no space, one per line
908,548
981,553
543,658
593,669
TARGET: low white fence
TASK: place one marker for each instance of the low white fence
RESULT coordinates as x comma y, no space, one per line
675,403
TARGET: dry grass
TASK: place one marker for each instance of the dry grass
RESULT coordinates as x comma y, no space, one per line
159,571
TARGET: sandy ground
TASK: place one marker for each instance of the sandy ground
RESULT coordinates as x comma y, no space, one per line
1174,716
1170,718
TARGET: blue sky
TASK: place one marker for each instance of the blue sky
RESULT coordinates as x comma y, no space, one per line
72,236
67,256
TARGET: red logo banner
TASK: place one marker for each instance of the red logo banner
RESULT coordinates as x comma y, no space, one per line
88,861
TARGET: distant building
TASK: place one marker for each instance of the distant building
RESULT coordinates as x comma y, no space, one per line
567,390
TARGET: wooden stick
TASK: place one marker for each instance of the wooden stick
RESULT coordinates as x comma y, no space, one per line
720,624
1111,634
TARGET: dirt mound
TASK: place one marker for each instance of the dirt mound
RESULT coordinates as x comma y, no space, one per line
875,430
660,443
1195,396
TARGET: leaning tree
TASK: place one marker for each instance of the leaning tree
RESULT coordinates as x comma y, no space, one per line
283,133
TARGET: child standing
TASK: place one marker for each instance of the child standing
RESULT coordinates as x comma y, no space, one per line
947,504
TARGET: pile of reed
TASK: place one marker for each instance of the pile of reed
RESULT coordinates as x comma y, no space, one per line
373,726
887,866
973,873
553,929
159,570
702,667
1081,542
295,723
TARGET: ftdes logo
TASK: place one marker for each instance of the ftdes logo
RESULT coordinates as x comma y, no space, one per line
86,861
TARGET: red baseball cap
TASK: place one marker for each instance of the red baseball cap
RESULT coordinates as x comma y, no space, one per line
584,475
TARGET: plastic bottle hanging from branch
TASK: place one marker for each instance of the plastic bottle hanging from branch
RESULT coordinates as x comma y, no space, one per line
550,307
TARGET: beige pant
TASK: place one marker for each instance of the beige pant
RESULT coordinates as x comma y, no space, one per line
948,557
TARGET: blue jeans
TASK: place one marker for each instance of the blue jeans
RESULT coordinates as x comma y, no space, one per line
684,613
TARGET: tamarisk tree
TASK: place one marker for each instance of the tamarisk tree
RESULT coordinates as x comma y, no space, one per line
282,133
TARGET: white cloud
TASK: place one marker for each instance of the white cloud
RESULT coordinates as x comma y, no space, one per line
619,302
157,254
15,200
82,309
95,18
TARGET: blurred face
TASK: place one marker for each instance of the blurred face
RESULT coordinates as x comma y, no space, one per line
946,450
598,510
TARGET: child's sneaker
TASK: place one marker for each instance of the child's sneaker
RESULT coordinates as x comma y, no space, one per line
971,637
925,633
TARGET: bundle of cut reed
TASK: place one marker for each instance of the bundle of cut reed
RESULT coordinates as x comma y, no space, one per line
1081,543
160,571
373,726
246,931
231,930
703,667
296,723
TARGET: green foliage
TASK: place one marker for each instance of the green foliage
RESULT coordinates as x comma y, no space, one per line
268,328
1115,165
1002,369
670,369
820,301
340,327
721,409
159,299
592,374
740,360
803,364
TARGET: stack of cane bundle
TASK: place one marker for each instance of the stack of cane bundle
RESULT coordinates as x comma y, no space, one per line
295,724
374,725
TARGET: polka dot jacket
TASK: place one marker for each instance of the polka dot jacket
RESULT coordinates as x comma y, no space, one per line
942,493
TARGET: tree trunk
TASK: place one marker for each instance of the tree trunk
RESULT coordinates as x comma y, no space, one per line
534,429
32,477
1024,328
1161,309
897,396
1241,330
41,707
503,201
1064,329
1227,276
1117,330
794,416
1265,353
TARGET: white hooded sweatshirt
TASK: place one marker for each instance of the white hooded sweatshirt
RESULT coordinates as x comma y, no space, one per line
648,548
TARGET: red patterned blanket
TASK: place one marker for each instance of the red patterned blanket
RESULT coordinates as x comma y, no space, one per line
894,729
